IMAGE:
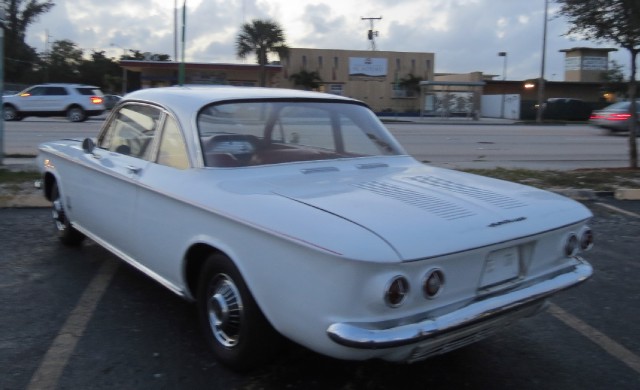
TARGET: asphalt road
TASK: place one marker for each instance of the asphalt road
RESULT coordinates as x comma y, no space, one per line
513,146
456,144
80,319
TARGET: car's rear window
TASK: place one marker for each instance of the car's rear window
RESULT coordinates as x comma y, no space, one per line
89,91
273,132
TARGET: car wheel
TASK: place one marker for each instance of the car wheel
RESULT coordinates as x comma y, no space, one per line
76,114
66,233
234,326
10,113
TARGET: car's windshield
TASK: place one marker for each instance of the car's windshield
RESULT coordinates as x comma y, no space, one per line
272,132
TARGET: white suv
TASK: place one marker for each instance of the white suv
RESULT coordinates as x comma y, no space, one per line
75,101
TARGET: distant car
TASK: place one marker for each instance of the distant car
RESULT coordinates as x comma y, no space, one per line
615,117
566,109
75,101
297,214
111,100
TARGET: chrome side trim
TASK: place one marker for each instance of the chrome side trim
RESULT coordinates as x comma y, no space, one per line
128,259
374,336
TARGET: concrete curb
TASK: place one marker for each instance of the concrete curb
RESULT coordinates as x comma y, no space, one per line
627,194
25,201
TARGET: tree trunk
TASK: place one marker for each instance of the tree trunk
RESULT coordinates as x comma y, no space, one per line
262,61
633,125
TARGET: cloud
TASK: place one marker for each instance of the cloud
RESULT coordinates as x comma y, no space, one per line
465,35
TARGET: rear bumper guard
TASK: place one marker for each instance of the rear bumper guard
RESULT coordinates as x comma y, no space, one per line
489,310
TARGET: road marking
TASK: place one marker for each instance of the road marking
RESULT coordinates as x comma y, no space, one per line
618,210
56,358
613,348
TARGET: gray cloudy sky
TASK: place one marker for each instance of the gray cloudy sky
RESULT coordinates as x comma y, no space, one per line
465,35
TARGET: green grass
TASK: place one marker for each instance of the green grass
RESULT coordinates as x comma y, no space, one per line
17,177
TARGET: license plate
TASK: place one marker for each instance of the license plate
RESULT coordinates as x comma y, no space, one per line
501,265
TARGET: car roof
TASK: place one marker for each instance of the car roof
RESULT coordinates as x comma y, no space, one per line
64,85
190,97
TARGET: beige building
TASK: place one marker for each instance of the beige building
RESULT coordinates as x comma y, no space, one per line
585,64
375,77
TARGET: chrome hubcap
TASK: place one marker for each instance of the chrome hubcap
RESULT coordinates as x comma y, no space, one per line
225,309
75,115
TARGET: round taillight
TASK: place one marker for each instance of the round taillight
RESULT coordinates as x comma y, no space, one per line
586,239
571,245
397,291
433,282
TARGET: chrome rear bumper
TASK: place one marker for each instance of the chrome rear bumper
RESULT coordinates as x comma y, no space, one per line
476,318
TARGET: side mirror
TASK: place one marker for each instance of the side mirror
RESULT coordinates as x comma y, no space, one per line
88,145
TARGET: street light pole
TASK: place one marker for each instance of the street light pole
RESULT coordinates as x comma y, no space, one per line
504,78
181,66
541,80
124,71
2,20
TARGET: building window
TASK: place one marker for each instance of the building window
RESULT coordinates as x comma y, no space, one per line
304,62
399,91
335,62
336,89
319,61
413,66
397,63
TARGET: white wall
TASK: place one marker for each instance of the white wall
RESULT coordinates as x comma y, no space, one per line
492,106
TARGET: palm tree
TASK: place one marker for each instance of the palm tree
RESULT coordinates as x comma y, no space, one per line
307,80
261,37
411,84
20,14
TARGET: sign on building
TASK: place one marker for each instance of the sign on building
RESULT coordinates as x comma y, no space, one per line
367,67
585,63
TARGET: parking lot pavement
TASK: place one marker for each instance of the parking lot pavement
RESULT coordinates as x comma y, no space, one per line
80,318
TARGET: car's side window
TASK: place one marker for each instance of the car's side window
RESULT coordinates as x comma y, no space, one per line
36,91
131,131
172,150
55,91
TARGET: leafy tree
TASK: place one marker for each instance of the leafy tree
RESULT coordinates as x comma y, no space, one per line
137,55
262,37
101,71
306,79
614,73
21,59
411,83
64,62
617,22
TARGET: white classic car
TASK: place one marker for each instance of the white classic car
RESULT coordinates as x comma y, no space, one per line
297,214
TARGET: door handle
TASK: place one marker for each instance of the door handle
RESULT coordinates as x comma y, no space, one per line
133,170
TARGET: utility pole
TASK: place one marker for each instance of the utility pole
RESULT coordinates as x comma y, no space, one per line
181,66
2,16
124,70
371,34
504,78
175,30
541,81
47,55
